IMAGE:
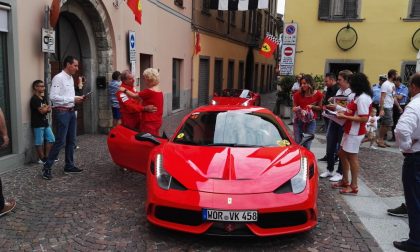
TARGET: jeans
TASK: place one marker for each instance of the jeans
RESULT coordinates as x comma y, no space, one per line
1,196
299,127
411,183
334,135
66,135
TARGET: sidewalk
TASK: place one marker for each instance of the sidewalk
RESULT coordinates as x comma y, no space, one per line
375,196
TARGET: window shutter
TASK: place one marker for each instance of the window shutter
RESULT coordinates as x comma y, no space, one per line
324,9
350,7
415,9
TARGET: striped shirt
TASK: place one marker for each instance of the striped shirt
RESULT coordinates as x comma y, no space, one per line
361,107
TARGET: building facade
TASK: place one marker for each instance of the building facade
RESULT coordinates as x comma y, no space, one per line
229,58
97,33
363,36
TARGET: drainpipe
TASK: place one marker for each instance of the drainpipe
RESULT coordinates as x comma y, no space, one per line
194,28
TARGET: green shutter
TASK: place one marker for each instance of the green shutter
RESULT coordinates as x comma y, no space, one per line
324,9
350,8
415,9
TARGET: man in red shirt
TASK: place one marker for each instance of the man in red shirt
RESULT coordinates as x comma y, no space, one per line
130,108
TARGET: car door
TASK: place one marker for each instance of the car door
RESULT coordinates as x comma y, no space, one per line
128,152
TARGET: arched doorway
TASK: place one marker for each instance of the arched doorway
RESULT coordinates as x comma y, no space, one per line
92,45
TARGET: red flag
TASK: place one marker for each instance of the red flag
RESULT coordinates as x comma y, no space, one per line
269,45
197,48
135,6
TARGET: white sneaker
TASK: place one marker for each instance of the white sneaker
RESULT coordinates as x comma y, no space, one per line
326,174
40,161
337,177
373,147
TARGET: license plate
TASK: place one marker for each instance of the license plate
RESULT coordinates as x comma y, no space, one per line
230,216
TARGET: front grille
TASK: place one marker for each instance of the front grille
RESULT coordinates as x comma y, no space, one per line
180,216
284,219
220,229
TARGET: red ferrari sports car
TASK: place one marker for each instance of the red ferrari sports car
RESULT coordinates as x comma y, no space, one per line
242,97
227,170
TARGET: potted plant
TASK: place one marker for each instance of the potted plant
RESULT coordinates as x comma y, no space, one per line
283,96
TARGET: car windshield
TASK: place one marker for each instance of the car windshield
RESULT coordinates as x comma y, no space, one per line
243,93
231,128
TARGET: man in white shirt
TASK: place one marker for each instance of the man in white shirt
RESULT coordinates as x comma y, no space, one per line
63,99
407,135
385,107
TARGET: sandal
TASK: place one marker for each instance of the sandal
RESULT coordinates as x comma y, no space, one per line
350,190
340,184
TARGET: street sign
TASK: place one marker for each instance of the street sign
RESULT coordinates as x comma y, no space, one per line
288,55
132,46
48,40
290,34
286,70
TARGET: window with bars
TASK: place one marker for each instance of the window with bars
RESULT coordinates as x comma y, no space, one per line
415,9
338,9
408,69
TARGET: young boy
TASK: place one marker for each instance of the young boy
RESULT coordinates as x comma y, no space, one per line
371,128
39,121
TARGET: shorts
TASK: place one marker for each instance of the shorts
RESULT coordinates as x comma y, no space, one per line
351,143
371,135
116,113
387,120
43,133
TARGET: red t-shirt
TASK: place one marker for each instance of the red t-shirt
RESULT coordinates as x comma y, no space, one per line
303,101
151,97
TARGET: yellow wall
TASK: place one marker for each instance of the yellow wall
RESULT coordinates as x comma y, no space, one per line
384,39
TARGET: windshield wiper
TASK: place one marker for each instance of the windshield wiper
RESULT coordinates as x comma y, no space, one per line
234,145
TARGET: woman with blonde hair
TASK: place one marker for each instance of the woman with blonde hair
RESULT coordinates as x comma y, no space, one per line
152,95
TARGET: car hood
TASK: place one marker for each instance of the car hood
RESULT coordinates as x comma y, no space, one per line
230,100
231,169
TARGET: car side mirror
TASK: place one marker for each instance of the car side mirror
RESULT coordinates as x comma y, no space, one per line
306,138
147,137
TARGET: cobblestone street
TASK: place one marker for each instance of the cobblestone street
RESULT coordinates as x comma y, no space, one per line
103,209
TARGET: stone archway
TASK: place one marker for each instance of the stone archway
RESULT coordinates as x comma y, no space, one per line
90,38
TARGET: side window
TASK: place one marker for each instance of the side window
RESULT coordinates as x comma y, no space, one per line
338,9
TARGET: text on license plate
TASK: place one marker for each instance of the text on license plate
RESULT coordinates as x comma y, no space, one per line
235,216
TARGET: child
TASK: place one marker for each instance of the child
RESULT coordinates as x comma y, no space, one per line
371,127
39,122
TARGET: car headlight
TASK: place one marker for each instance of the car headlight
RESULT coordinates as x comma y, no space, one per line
213,102
299,181
162,176
245,103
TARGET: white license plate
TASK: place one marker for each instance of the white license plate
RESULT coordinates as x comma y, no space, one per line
231,216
